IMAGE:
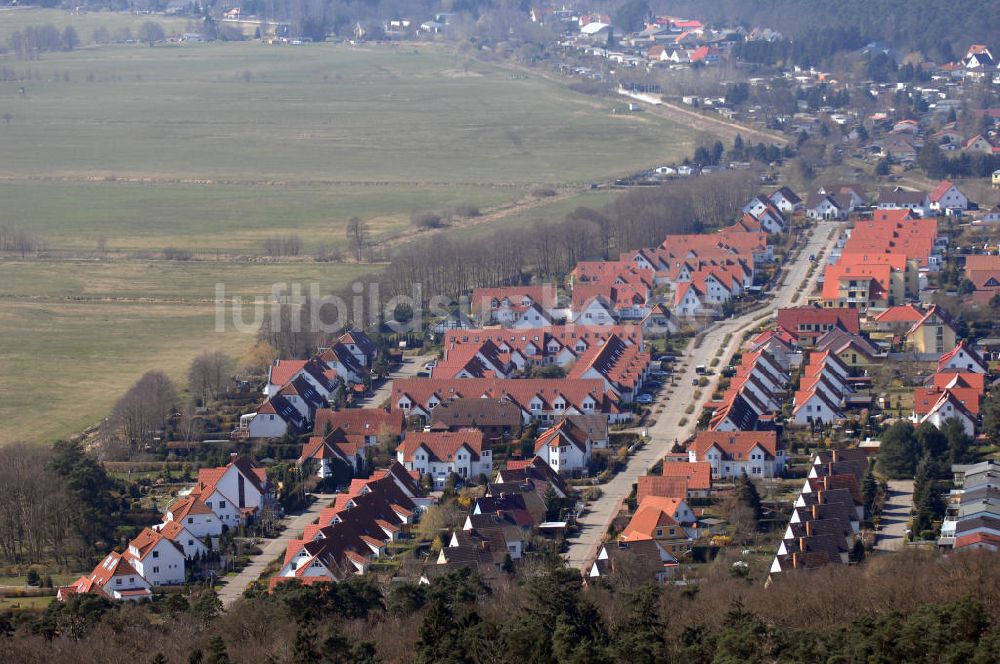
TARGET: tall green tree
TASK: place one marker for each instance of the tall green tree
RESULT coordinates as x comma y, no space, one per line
897,457
746,493
631,16
869,490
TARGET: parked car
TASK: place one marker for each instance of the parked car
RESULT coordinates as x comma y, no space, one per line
644,398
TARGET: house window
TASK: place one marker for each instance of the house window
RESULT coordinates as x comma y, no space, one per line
156,570
222,504
156,554
190,519
659,532
118,582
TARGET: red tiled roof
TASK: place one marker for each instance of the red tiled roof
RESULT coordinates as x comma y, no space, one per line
357,423
653,512
442,445
735,444
903,313
658,485
697,473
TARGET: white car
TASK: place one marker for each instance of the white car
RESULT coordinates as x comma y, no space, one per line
644,398
430,366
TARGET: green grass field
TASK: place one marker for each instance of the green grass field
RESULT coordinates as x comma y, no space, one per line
214,147
13,19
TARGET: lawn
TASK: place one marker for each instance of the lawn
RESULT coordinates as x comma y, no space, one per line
212,148
78,333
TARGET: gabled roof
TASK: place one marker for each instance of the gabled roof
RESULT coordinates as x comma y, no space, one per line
787,194
698,474
358,423
442,446
934,312
658,485
953,379
940,190
520,391
735,445
927,399
563,432
794,318
960,348
652,513
901,313
188,505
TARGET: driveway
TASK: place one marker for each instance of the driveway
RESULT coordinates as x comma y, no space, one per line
895,515
674,401
271,549
408,369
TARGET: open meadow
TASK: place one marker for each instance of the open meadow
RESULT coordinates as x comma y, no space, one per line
211,149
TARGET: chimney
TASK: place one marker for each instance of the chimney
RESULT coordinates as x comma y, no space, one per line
836,455
795,560
232,456
821,497
802,544
815,511
809,528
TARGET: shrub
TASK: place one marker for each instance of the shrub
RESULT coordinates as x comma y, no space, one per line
467,211
543,192
427,220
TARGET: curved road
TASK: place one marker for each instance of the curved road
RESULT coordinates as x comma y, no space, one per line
595,522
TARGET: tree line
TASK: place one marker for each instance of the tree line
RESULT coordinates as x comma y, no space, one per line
901,24
543,612
59,505
545,252
32,41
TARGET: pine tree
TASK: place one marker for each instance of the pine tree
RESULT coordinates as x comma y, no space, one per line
869,490
217,653
746,493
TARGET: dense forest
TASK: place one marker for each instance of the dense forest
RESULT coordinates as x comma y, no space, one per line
906,607
938,28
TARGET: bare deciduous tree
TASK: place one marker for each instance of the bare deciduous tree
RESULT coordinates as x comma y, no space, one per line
209,374
357,238
144,410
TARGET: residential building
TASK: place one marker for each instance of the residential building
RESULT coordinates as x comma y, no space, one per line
731,454
156,558
442,453
113,578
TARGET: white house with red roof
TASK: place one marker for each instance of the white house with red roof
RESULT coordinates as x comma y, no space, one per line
731,454
275,417
946,196
235,492
441,453
156,558
196,517
191,545
565,447
114,578
950,406
323,452
962,358
541,400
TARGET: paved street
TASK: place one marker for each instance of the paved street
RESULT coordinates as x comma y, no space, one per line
594,524
271,549
274,548
408,369
895,514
